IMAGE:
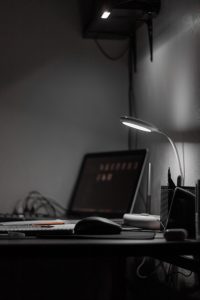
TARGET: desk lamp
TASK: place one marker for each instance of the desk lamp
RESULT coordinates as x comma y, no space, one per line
147,127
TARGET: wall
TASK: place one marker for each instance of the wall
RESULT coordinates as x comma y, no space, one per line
167,92
59,98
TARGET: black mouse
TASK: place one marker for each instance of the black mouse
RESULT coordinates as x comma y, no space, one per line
96,225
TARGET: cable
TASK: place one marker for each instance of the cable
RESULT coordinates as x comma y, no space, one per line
107,55
131,97
139,267
35,204
172,275
183,151
138,270
183,274
162,225
130,89
131,48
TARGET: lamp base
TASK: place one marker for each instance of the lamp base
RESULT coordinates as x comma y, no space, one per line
144,221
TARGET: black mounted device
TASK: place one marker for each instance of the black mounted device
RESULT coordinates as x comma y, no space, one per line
126,16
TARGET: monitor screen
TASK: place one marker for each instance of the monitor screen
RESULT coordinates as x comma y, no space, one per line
108,183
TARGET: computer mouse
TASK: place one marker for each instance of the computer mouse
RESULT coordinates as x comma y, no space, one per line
96,225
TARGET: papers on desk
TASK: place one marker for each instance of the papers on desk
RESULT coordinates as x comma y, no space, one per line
34,222
38,227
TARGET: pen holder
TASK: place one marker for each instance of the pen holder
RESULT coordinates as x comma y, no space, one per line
165,202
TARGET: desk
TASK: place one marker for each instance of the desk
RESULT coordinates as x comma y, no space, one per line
80,247
49,268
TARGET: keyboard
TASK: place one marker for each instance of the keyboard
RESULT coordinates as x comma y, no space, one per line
36,230
9,217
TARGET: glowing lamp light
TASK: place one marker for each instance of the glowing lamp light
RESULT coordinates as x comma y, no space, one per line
139,124
105,14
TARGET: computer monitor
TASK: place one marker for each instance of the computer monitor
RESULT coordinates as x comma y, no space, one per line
108,183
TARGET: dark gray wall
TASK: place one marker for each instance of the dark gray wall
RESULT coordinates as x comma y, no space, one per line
59,98
167,91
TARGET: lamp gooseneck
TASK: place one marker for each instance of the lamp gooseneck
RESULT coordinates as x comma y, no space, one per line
176,154
139,124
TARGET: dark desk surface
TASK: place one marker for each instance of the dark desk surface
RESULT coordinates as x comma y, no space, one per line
104,247
85,268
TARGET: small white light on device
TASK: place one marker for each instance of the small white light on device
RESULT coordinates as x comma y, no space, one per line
105,14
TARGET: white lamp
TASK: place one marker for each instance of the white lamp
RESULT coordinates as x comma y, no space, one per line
147,127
